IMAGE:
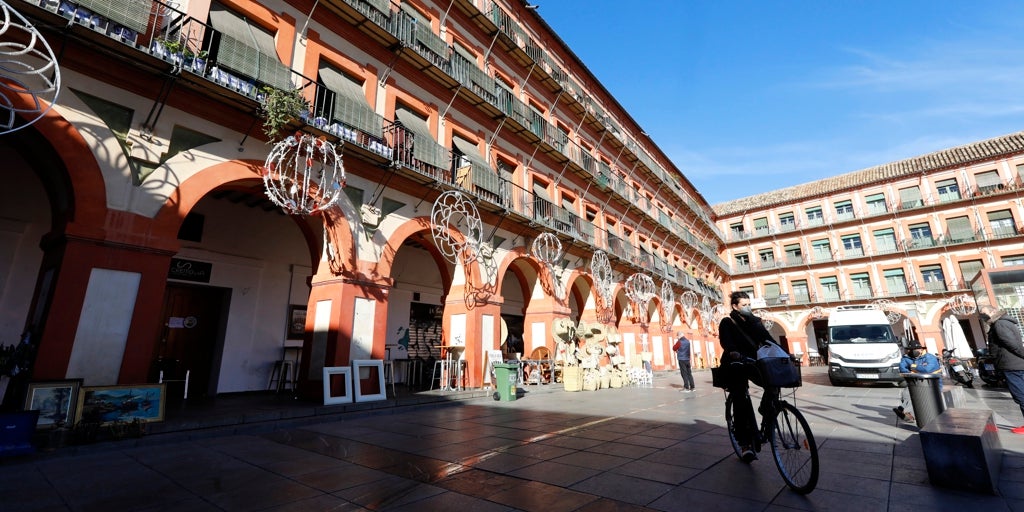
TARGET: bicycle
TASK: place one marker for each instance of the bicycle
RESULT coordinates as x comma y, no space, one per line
786,430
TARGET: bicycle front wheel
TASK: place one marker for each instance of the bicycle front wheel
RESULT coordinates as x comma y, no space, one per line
794,449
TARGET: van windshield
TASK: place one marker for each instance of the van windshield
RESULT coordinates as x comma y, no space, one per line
862,334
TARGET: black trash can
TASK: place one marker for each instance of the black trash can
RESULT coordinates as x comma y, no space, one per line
925,395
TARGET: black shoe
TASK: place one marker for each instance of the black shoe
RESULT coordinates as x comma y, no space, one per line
748,455
899,413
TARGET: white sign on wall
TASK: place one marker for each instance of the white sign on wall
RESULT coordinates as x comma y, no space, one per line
362,329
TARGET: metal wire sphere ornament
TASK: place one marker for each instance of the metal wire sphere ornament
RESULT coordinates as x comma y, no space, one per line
602,272
29,67
705,305
453,212
765,318
668,298
303,174
888,308
718,312
688,299
963,305
640,289
547,248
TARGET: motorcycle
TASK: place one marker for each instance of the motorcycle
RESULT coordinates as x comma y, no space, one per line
986,364
956,369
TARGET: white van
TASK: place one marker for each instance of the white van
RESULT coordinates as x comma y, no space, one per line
862,347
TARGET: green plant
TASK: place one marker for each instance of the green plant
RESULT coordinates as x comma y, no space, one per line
172,46
15,359
280,107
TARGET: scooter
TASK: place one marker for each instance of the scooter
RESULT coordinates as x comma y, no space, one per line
986,364
956,369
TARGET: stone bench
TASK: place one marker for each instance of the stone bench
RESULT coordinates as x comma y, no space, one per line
962,450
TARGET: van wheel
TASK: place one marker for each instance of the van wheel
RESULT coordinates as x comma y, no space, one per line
834,382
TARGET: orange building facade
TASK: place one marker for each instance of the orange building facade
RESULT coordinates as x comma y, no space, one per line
139,238
908,236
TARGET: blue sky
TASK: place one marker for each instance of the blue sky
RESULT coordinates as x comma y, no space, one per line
747,97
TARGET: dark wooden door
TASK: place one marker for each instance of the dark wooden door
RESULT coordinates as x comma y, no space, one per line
194,318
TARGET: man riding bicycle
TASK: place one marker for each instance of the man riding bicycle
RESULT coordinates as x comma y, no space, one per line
740,334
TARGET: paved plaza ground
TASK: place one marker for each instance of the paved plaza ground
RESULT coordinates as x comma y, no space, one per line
551,451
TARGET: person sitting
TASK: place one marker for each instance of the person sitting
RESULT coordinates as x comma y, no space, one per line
916,360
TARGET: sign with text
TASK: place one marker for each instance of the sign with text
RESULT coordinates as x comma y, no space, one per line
189,270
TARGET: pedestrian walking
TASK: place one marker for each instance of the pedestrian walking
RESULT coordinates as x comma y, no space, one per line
1004,342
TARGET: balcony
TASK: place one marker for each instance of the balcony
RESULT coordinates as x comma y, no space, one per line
934,286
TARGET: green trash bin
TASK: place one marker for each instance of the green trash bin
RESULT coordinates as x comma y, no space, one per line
506,376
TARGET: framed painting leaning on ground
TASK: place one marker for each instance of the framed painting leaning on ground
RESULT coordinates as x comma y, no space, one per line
114,404
56,401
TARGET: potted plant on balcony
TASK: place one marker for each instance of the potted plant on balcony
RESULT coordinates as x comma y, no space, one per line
280,107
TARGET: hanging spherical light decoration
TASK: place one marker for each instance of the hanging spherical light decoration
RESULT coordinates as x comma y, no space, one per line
303,174
29,68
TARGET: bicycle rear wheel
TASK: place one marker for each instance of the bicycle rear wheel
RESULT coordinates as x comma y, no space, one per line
794,449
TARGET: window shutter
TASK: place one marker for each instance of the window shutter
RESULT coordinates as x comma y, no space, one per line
248,49
969,269
988,179
130,13
350,105
910,197
999,215
873,198
959,226
771,290
425,148
893,272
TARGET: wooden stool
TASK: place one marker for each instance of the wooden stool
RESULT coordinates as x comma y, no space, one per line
283,373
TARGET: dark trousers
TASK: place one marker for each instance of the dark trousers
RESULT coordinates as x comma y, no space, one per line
684,370
742,409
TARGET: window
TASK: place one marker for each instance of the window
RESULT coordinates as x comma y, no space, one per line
743,261
861,285
852,246
910,197
969,270
933,278
895,281
787,222
1001,223
988,182
761,226
948,190
829,288
749,290
342,99
794,256
737,230
248,49
1020,172
885,241
844,210
821,250
801,295
771,293
876,204
958,229
467,158
767,257
814,216
1013,261
921,235
424,146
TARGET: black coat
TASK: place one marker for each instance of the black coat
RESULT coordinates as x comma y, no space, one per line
731,332
1004,341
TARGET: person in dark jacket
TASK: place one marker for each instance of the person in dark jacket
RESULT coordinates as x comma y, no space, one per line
682,348
1004,342
740,334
